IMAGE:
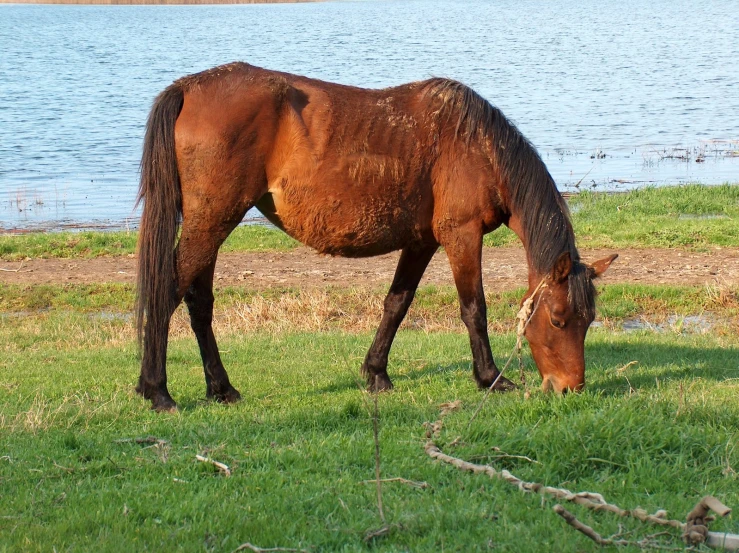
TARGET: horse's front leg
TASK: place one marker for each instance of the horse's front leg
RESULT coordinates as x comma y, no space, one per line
408,274
464,250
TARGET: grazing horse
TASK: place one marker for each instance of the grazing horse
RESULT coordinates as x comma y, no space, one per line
351,172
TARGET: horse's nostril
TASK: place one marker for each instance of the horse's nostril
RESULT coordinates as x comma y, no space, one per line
565,390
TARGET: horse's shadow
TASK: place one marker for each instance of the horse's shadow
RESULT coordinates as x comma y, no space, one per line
654,363
657,363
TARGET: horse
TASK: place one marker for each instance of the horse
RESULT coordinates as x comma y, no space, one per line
351,172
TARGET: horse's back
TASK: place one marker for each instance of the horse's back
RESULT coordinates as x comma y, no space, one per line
342,169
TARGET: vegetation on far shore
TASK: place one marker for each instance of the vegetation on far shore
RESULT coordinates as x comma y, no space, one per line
694,217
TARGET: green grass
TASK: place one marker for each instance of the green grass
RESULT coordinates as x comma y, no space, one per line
300,445
246,238
660,434
695,217
691,217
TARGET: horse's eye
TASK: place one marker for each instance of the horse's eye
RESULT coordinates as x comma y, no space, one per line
557,323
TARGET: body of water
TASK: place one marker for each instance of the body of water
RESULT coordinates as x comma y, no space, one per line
613,94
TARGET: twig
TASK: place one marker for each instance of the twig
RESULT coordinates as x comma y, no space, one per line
591,500
145,440
252,547
227,471
584,528
375,413
583,177
504,455
597,502
18,270
412,483
646,543
626,366
384,530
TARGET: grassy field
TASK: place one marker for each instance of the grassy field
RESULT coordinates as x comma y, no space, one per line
660,434
691,217
86,466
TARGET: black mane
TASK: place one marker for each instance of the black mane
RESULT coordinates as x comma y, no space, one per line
533,194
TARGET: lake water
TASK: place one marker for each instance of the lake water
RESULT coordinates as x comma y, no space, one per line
613,94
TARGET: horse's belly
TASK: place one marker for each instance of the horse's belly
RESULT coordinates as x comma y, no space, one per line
346,223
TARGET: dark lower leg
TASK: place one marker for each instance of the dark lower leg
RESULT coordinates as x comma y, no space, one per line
408,274
199,300
474,316
465,254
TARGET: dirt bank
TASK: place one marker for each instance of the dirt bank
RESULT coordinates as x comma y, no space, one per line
504,268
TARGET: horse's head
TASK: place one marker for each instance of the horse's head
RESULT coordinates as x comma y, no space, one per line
563,306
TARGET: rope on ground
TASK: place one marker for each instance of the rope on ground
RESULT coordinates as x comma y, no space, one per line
695,530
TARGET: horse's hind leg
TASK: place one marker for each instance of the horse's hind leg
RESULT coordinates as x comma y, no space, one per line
410,269
191,261
464,249
195,254
199,300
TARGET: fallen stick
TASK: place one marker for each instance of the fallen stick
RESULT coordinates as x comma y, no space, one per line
252,547
18,270
412,483
596,502
591,500
584,528
646,543
227,471
145,440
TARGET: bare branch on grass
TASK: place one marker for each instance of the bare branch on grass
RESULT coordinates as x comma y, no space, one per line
626,366
646,543
252,547
376,435
223,469
694,532
503,455
153,440
411,483
591,500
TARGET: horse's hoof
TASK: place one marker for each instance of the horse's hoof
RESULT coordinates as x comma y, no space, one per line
501,385
379,383
231,395
164,405
160,402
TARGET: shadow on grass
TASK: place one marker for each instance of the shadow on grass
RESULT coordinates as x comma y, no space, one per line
661,361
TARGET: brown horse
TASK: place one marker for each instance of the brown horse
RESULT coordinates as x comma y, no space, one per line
351,172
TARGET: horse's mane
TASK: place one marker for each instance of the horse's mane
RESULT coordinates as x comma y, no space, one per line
533,194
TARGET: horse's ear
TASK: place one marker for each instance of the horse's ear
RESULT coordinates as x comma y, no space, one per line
562,267
601,266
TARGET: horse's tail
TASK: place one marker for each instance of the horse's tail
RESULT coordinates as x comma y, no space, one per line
160,192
